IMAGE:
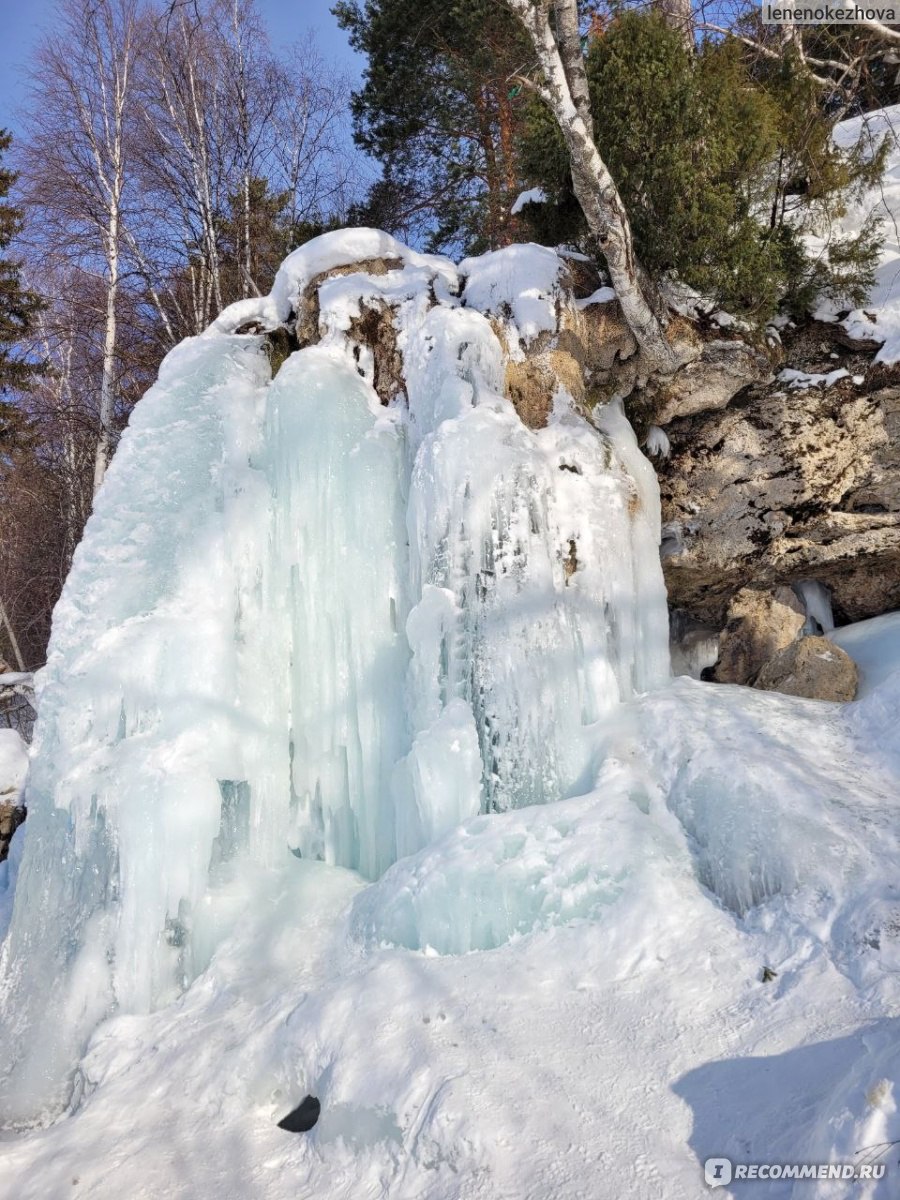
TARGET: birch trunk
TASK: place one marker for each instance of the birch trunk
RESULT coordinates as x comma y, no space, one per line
564,90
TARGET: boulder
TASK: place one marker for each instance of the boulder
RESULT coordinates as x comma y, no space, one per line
12,816
760,624
815,668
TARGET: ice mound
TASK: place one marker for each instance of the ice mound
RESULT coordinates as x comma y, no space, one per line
303,620
755,797
498,877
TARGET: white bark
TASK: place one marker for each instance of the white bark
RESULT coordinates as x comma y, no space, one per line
564,79
11,633
679,15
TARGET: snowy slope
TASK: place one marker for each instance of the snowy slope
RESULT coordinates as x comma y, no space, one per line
358,773
605,1054
879,320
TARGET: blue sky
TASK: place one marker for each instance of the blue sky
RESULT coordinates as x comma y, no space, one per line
288,21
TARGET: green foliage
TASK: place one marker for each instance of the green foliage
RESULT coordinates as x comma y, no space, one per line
723,172
262,226
436,110
18,305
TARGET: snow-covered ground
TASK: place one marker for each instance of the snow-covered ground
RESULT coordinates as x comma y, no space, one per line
615,1035
577,928
879,320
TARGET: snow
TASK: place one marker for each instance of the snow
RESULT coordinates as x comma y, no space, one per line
359,773
801,380
603,295
531,196
520,282
13,763
874,646
339,248
879,320
617,1032
16,679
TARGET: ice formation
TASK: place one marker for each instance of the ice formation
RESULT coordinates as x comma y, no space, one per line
301,620
817,601
573,929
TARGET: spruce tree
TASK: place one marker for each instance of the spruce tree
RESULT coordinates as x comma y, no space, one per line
18,305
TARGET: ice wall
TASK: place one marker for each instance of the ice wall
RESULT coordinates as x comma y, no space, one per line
305,622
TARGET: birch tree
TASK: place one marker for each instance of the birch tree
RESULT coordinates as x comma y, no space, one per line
77,163
563,86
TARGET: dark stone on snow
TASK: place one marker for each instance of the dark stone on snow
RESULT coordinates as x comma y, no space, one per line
304,1116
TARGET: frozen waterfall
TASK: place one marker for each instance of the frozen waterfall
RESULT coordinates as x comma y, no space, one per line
305,621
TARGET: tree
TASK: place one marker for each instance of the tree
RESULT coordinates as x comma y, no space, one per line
224,126
438,111
563,86
170,160
76,163
708,157
19,306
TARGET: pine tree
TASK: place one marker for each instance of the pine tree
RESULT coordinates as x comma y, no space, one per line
439,113
18,305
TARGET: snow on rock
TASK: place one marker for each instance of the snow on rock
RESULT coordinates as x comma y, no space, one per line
800,380
13,763
519,283
603,295
879,320
339,248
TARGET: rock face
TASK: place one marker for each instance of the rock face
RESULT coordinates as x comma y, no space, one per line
760,625
11,817
724,368
813,667
783,486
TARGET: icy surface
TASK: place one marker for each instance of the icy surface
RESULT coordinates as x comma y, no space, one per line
304,625
817,601
658,444
359,774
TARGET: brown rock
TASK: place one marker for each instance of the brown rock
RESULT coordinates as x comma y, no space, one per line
723,368
11,817
815,668
760,624
375,330
307,317
785,486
